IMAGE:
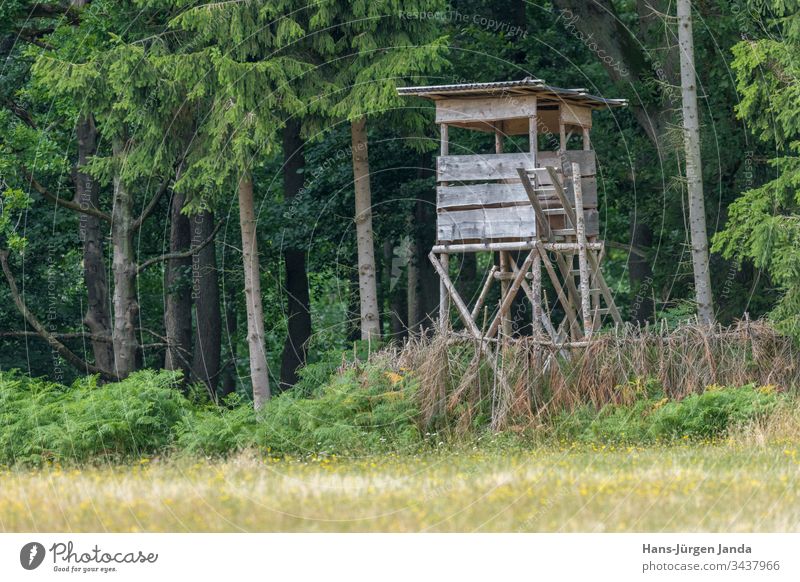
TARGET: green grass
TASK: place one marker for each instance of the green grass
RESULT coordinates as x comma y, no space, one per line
575,487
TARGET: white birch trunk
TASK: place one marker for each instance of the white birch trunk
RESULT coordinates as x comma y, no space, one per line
694,168
123,266
259,372
367,286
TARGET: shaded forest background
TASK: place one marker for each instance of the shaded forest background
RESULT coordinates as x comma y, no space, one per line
86,117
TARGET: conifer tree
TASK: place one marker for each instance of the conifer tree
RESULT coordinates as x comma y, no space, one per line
239,71
374,48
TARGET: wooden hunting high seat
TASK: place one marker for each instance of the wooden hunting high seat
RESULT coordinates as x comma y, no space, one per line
540,204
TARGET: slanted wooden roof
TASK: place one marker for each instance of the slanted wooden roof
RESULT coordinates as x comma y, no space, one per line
527,86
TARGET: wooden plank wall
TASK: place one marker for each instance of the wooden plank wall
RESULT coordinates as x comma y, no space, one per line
497,206
490,167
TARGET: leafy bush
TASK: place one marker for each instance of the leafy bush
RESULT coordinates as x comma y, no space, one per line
42,421
317,373
653,417
713,412
363,409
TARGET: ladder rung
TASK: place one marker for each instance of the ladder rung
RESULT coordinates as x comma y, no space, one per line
504,276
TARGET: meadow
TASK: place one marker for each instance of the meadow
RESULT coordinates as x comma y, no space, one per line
401,441
730,486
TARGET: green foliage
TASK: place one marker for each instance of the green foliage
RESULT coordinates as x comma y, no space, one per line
653,418
365,409
763,225
316,374
42,421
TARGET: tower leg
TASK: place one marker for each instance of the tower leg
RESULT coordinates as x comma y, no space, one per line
504,270
536,293
444,298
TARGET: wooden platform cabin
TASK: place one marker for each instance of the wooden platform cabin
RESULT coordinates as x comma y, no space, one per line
538,202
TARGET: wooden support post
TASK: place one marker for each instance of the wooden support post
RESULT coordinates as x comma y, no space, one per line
504,291
498,137
444,299
451,290
587,144
533,134
504,285
562,131
536,295
583,258
508,298
562,296
484,292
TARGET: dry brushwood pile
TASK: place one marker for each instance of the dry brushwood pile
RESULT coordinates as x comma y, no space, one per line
524,378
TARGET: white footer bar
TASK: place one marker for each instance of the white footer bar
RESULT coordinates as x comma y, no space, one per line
399,557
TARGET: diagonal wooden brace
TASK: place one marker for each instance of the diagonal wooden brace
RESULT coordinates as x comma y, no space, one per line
545,317
510,295
484,292
461,307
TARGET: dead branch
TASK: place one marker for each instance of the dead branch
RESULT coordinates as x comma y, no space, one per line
74,206
62,350
182,254
151,206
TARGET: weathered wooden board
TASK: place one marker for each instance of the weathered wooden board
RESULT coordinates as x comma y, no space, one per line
516,222
504,166
515,124
485,109
576,115
547,123
503,194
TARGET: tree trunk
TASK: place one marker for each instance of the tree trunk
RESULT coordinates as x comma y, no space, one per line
259,372
425,215
694,169
126,306
367,286
205,293
628,59
231,323
412,289
98,312
625,59
177,297
298,299
640,273
394,303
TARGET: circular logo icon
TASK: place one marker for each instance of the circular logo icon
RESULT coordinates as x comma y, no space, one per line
31,555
